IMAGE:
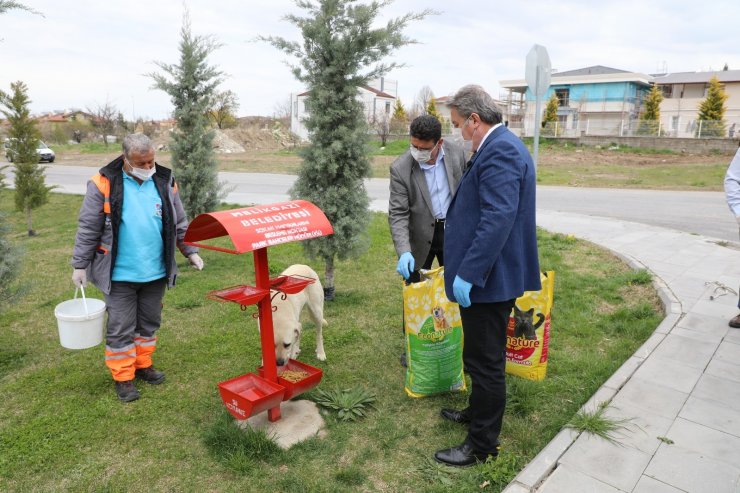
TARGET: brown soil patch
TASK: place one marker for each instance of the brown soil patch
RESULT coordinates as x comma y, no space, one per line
601,157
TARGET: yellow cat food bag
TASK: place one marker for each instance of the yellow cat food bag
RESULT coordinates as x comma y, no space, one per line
434,338
528,333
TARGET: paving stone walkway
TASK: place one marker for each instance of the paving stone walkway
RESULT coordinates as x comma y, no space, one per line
681,389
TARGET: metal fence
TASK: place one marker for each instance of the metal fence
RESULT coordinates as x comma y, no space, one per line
633,128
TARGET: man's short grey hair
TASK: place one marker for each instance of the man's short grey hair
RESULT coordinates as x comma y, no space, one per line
138,143
474,99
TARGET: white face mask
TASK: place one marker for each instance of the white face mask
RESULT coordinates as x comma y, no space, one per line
422,156
467,143
468,146
142,174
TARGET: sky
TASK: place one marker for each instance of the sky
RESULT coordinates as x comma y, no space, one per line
84,53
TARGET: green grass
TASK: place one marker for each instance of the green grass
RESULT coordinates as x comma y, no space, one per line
63,429
662,176
596,423
557,144
88,147
559,164
392,147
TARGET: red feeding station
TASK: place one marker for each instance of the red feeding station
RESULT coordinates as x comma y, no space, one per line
253,229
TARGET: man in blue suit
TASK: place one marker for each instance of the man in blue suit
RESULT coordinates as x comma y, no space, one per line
490,254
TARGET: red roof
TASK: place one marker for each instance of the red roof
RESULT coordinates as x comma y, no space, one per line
53,119
378,93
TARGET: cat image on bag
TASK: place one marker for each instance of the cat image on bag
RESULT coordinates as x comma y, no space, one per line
524,323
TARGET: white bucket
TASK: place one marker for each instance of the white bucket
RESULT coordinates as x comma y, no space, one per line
80,322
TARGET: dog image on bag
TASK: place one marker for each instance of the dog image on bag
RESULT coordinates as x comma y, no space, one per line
286,315
440,322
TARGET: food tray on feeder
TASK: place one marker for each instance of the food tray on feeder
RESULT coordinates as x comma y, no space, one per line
290,284
249,394
293,389
243,294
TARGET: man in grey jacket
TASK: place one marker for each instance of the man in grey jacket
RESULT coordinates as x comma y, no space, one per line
130,222
422,183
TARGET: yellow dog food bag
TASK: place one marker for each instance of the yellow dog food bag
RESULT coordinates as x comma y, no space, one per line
434,337
528,332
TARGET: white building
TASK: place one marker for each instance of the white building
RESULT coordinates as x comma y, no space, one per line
683,92
378,98
594,100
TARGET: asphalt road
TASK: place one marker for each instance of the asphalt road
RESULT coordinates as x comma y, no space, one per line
703,213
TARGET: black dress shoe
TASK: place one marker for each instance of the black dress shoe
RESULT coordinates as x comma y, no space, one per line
460,417
462,456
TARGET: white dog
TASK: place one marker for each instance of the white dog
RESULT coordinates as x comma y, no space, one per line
286,317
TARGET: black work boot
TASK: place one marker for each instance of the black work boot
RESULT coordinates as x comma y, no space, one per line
127,391
150,375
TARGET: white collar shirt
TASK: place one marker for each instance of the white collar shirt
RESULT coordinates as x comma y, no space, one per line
438,185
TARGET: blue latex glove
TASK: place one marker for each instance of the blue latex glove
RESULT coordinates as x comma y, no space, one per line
405,265
461,290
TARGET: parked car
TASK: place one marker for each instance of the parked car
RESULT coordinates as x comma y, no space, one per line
45,154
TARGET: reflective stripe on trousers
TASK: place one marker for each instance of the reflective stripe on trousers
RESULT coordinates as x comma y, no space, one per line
121,362
145,346
134,315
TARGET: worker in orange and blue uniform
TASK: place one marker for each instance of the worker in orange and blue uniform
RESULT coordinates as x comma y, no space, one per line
129,224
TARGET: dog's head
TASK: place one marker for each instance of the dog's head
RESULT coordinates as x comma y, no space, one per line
438,312
285,342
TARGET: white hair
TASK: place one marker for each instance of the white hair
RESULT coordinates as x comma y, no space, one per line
138,143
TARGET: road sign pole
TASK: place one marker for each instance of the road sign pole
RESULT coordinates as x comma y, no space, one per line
537,73
537,124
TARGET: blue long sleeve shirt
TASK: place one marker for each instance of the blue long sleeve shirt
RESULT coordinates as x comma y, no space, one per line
732,184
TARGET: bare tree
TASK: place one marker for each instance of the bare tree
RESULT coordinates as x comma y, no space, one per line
282,111
223,109
422,100
104,119
381,124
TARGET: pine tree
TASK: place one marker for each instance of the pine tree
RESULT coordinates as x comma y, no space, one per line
650,117
9,255
712,110
431,109
7,5
551,111
342,50
192,85
10,263
30,187
399,112
400,119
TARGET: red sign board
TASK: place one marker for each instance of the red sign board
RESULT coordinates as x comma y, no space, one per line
260,226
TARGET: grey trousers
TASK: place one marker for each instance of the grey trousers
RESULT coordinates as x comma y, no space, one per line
134,309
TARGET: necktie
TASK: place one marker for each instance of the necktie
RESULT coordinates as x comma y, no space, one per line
470,161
